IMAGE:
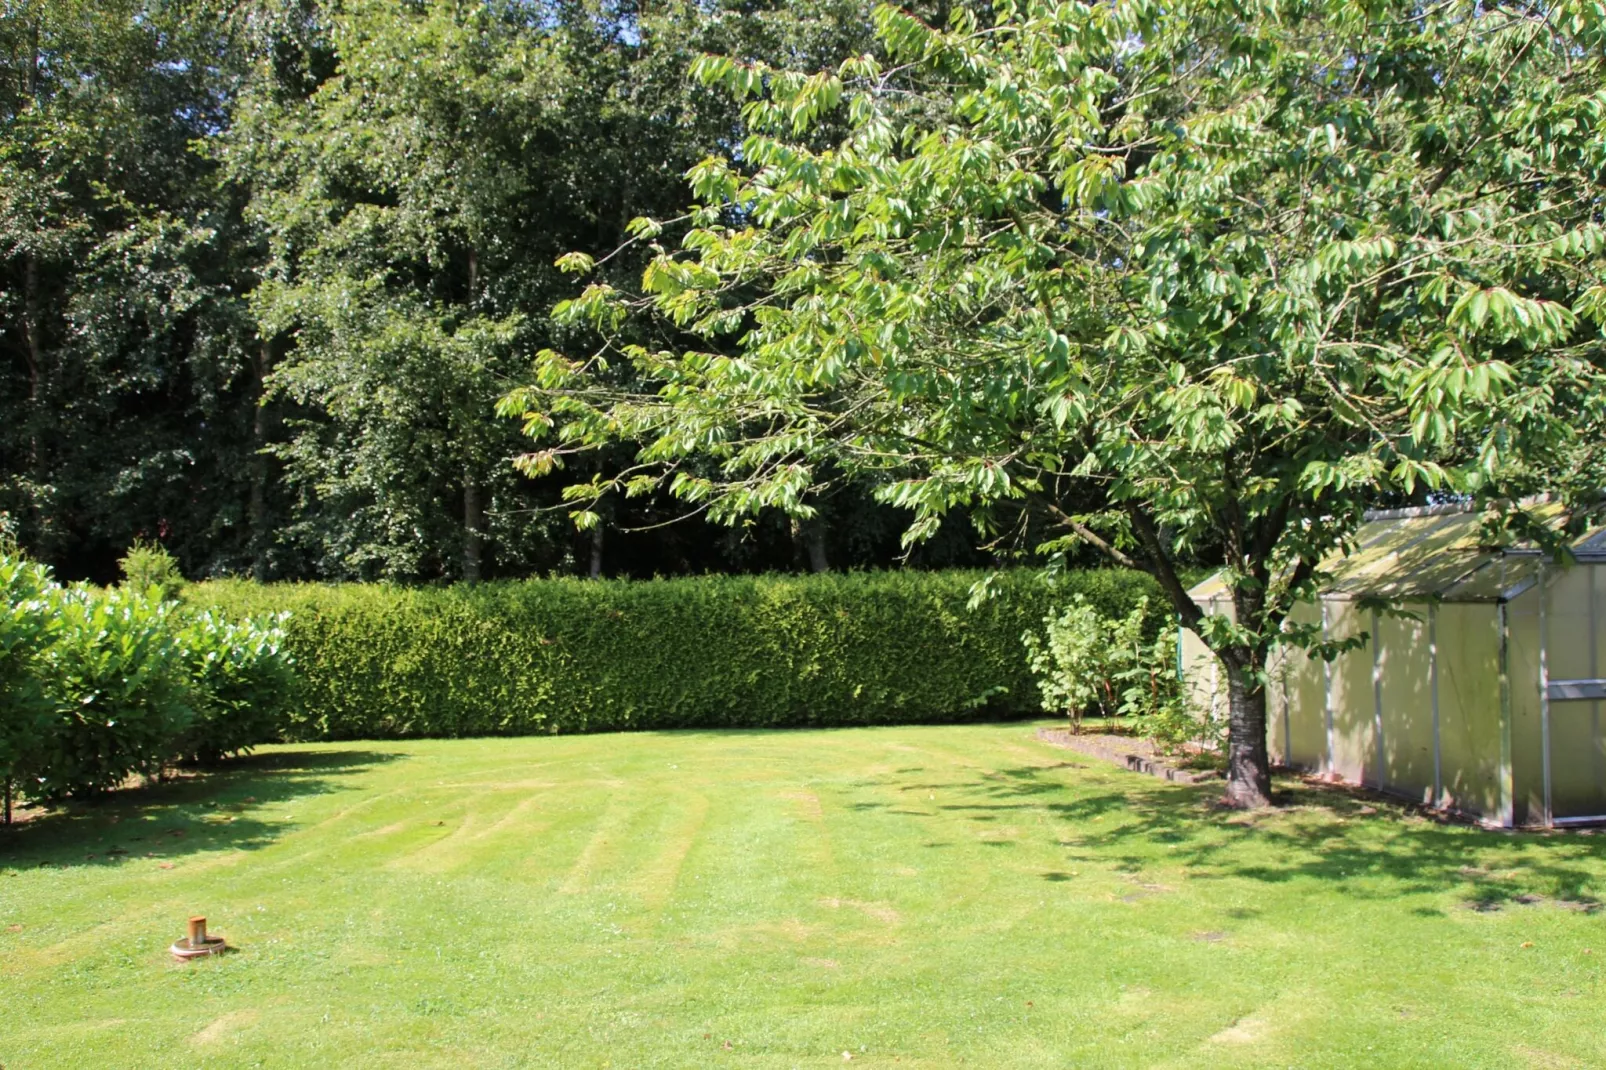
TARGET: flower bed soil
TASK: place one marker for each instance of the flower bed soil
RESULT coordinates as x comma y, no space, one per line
1131,752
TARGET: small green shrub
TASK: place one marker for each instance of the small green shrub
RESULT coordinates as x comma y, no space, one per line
1175,727
239,681
118,690
1090,661
539,656
149,569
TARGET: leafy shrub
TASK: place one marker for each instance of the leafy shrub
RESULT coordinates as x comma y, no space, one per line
149,569
1117,665
1069,661
118,689
98,685
1175,726
562,655
28,625
239,679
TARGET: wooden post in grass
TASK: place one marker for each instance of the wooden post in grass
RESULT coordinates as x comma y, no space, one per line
197,931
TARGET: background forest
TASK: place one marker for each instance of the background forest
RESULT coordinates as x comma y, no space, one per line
266,267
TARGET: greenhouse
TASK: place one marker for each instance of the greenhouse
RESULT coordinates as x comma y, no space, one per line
1479,687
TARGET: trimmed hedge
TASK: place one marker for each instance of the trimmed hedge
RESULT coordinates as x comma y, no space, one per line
547,656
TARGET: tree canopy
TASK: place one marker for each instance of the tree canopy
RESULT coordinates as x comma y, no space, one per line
1243,270
120,324
265,268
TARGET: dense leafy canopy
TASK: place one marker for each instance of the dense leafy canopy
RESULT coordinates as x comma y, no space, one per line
120,324
266,267
1244,268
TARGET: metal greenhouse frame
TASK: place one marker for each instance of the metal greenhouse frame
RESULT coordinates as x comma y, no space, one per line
1479,689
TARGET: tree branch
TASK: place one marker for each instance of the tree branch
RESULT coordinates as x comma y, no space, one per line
1161,568
1087,534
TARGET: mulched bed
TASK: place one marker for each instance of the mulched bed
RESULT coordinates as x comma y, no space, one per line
1130,752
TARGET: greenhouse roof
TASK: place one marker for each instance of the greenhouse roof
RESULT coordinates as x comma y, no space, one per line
1435,552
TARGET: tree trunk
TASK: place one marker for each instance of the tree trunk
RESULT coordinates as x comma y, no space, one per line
32,320
33,347
1248,764
258,505
473,509
473,530
808,545
30,325
814,536
596,551
34,351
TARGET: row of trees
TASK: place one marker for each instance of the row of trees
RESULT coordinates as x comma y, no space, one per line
266,267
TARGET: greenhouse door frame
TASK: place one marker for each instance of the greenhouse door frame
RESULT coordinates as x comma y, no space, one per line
1581,689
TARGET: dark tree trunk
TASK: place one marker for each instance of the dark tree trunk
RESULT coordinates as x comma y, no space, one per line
33,346
30,324
34,351
473,507
596,551
1248,764
808,545
473,530
814,537
261,537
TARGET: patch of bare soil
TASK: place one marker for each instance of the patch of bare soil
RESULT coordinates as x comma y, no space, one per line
1131,752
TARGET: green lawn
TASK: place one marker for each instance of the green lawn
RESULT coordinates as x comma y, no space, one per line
918,897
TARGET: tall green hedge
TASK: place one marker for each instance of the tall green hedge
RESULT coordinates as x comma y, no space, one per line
560,655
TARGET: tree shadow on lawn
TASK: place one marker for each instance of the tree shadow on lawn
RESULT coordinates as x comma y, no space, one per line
1335,836
201,810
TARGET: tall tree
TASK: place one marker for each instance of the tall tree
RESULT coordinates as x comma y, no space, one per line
414,200
1240,269
120,322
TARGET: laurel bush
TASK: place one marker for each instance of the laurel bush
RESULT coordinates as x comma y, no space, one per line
98,685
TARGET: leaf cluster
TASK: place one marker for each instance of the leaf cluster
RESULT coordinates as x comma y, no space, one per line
1240,270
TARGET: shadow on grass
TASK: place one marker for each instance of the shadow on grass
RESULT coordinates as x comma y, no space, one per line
1364,845
210,809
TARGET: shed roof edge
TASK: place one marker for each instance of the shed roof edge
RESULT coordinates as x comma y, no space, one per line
1411,512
